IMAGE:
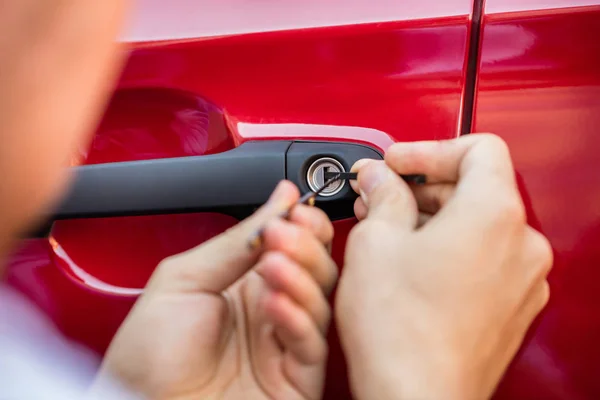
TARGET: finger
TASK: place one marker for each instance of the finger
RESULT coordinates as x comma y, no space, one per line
286,276
480,164
219,262
447,160
386,195
432,197
356,168
301,246
295,330
360,209
315,220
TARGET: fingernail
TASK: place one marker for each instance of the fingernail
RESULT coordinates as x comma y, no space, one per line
360,164
372,176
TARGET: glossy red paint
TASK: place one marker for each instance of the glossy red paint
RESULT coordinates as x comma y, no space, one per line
151,123
370,83
539,88
158,20
157,113
402,78
503,6
82,314
88,252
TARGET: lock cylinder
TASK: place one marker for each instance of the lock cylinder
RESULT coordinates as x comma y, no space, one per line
315,176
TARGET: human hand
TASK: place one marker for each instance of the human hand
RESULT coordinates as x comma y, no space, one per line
224,321
440,283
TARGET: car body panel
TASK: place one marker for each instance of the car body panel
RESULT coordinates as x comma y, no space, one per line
203,83
346,74
539,89
530,6
157,20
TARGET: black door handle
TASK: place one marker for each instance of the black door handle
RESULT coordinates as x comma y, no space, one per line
243,176
235,182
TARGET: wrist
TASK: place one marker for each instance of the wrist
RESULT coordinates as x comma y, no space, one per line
392,375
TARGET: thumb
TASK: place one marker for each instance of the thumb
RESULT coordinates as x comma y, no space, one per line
218,263
386,195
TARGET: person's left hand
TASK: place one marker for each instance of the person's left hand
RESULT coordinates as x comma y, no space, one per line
224,321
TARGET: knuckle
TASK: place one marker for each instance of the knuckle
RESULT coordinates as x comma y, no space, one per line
168,268
273,258
511,209
284,237
168,263
291,246
545,293
544,296
394,151
516,210
497,153
494,142
165,262
542,252
396,155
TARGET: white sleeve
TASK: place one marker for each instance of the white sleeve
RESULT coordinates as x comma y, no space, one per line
37,363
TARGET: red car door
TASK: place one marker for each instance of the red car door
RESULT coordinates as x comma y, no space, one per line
206,77
539,88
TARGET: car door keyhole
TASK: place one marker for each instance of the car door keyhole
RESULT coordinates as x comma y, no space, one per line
315,176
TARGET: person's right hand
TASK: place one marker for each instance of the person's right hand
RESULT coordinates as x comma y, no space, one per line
440,284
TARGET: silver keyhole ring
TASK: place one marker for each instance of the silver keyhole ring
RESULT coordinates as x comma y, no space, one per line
315,176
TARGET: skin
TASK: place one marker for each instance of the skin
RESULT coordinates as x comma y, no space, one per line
220,321
58,63
441,282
